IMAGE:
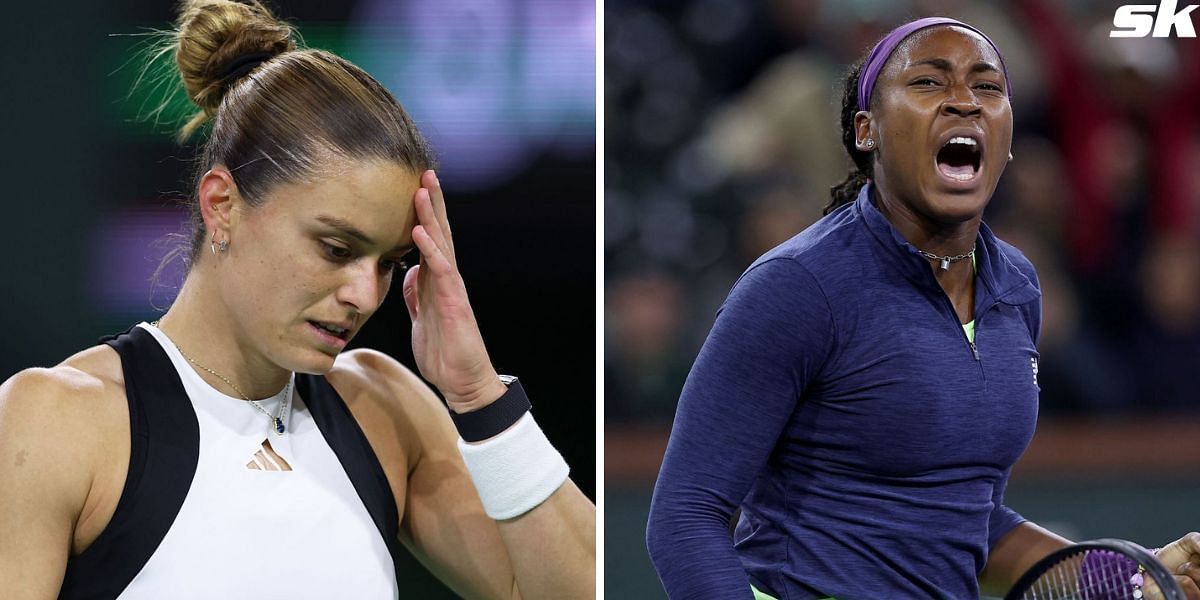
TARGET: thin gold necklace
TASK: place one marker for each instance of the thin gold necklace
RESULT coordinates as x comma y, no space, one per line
284,405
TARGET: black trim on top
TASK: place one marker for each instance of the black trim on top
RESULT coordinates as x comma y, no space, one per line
352,449
164,451
164,447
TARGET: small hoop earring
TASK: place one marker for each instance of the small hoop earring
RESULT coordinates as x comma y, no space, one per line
216,246
1010,157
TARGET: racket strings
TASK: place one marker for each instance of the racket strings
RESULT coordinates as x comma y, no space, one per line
1093,575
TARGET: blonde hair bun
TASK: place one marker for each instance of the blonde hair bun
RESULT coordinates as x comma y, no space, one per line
212,35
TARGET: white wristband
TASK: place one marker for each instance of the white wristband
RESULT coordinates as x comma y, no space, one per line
516,470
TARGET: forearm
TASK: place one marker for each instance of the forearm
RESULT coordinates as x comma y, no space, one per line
552,548
546,525
1014,554
689,544
770,338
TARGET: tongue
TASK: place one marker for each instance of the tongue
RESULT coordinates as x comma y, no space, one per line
956,171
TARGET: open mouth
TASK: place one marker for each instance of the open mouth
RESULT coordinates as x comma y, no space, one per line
333,330
959,158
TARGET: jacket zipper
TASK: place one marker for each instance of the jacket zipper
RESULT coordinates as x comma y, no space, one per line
954,317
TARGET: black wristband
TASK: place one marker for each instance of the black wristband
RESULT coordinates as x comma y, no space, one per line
479,425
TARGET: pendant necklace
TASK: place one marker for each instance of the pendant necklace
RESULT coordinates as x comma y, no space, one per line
945,261
284,405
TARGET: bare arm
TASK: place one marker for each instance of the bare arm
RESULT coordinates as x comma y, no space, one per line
1014,554
1027,543
44,481
548,552
553,546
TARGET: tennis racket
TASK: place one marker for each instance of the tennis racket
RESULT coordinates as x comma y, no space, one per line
1098,570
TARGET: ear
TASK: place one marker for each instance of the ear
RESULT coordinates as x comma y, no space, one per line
864,130
216,192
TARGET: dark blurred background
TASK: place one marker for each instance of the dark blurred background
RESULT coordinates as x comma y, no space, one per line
505,90
721,142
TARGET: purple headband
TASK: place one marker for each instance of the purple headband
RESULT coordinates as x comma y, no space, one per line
885,47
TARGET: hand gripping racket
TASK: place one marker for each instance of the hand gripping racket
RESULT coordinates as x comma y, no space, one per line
1098,570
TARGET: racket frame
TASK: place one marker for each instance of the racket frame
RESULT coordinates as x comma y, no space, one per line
1153,568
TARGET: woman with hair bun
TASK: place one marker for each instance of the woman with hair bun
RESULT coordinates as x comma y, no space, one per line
869,384
231,449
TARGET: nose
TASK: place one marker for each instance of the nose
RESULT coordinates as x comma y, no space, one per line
961,103
364,288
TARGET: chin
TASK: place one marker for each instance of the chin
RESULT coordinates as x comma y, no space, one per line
319,364
959,209
958,201
308,359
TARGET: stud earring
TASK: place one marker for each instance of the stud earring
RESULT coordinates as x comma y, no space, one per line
1010,157
868,143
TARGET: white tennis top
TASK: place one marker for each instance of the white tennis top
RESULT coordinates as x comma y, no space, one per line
250,529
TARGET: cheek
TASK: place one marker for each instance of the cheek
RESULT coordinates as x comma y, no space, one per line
1001,119
275,273
1001,145
901,139
902,157
308,276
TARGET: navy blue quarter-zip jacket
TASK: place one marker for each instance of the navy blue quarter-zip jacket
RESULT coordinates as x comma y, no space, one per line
839,403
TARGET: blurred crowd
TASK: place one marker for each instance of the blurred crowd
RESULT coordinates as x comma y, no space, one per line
721,142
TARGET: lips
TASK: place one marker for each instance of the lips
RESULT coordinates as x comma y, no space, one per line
339,330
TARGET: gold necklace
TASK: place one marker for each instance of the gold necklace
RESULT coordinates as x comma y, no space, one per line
286,403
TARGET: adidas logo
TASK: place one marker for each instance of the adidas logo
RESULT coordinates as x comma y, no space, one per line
267,460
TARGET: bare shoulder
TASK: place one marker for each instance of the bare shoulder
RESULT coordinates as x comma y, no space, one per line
63,446
72,396
399,414
381,379
74,412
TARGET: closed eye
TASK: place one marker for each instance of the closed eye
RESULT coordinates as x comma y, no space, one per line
334,253
338,254
391,266
400,260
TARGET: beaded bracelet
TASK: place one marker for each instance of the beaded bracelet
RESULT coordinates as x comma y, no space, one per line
1139,579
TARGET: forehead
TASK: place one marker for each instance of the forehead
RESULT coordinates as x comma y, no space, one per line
958,45
376,197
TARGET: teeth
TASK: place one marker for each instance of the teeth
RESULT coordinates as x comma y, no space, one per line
334,329
962,140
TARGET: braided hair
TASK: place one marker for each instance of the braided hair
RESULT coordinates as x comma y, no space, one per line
846,191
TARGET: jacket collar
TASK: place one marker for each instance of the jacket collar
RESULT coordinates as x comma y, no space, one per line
1002,280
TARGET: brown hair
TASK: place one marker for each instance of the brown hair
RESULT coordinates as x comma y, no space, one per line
277,111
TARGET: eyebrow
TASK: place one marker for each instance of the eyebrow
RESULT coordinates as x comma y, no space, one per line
944,65
349,229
